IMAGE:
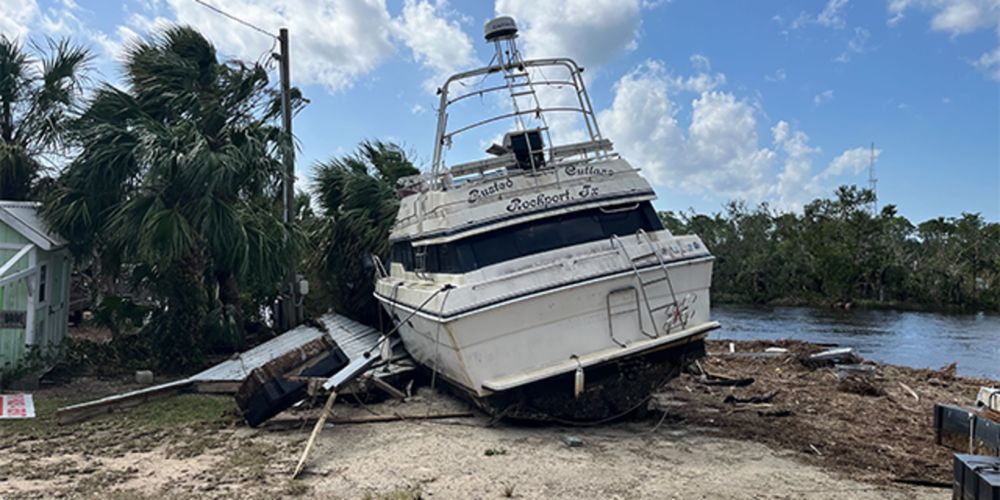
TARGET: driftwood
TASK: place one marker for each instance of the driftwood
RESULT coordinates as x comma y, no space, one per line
728,382
764,398
911,391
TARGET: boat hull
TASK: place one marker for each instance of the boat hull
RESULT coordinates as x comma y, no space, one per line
548,334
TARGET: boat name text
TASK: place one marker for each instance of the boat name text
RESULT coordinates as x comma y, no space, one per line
588,171
494,189
544,200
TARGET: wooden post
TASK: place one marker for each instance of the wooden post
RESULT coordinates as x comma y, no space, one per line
315,433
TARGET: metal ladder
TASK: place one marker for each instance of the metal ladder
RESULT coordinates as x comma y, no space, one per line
641,290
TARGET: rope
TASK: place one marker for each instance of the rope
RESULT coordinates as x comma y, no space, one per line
437,340
403,321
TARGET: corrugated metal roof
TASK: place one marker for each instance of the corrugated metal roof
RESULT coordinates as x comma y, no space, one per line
352,337
22,216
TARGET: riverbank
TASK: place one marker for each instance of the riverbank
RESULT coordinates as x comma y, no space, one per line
196,446
719,298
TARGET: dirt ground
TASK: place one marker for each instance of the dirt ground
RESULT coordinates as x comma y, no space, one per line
194,446
874,430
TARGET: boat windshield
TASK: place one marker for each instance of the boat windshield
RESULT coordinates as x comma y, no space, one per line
528,238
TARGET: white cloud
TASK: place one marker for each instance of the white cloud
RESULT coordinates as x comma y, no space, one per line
417,109
590,32
953,16
851,162
718,153
779,75
858,44
15,15
333,42
823,97
796,183
989,63
832,14
437,43
958,17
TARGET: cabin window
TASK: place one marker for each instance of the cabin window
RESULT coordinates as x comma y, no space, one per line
481,250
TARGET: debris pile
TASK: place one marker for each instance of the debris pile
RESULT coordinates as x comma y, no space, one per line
874,423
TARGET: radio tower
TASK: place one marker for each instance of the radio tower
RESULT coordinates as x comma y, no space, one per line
872,181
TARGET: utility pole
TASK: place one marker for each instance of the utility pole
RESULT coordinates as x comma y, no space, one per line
872,181
289,309
287,312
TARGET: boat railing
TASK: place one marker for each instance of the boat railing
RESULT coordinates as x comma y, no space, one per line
519,83
557,157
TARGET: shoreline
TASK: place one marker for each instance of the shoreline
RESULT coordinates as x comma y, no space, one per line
870,305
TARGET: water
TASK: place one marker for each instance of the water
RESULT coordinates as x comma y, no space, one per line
917,339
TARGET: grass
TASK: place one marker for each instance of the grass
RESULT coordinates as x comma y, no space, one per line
141,427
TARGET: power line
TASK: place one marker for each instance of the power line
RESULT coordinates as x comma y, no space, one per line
234,18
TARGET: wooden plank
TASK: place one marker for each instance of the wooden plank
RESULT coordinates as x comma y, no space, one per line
385,386
78,412
217,387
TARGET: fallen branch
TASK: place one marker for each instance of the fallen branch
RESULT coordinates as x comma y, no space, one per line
728,382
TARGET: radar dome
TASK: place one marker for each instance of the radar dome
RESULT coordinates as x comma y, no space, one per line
499,28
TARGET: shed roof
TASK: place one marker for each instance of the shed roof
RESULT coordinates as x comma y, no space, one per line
23,217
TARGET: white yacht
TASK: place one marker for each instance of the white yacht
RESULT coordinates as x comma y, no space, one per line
539,279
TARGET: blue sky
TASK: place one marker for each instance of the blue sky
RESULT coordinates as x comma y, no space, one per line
773,101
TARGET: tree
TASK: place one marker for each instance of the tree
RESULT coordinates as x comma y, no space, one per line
357,197
39,95
179,178
837,251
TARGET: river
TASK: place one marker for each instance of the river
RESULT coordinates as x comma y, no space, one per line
917,339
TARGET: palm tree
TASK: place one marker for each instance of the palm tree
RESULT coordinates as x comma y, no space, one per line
38,96
357,197
179,176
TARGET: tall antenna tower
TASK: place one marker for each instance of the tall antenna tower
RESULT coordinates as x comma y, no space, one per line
872,181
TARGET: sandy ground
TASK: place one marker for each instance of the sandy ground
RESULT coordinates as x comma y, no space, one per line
192,446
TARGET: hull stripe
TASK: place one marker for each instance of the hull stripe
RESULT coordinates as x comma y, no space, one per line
477,308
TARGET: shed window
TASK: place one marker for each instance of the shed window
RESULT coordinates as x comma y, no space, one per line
43,278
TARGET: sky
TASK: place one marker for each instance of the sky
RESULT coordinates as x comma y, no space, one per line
764,101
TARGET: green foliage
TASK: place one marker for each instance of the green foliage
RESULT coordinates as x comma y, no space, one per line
39,94
179,177
358,202
836,250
